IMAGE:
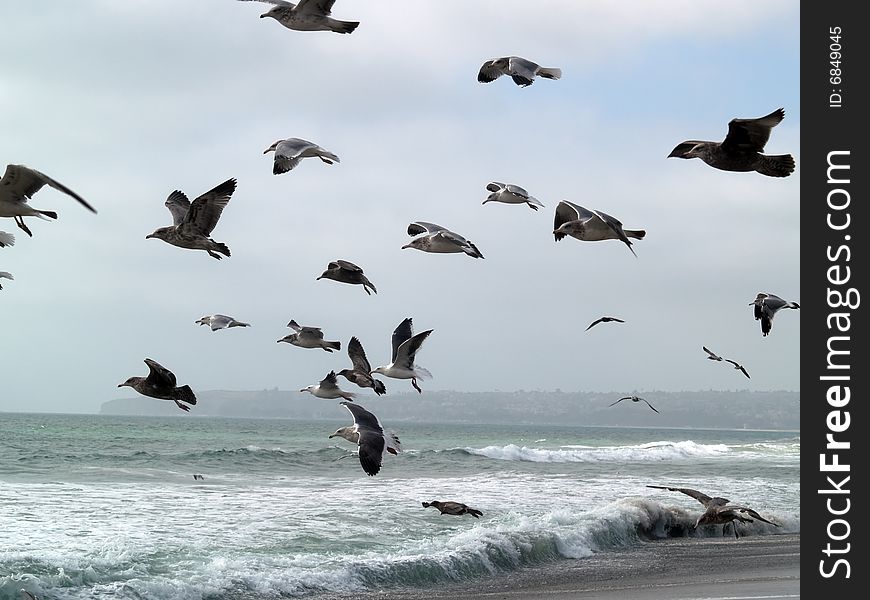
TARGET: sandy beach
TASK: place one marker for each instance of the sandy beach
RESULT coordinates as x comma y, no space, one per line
687,568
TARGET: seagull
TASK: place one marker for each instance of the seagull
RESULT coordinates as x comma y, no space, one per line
510,194
18,185
368,433
603,320
221,322
289,152
6,239
308,337
766,306
5,275
738,367
347,272
521,70
361,372
713,355
741,150
160,383
198,477
453,508
328,388
405,346
307,15
439,240
634,399
194,221
591,225
718,511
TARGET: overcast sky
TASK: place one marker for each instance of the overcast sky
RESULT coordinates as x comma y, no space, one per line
126,101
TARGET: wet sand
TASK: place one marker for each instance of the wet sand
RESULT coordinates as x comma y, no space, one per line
766,566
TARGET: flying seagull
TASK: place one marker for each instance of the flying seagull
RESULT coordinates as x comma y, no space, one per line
368,433
347,272
742,148
289,152
718,511
5,275
360,374
221,322
198,477
766,307
439,240
307,15
591,225
308,337
521,70
738,367
405,347
6,239
18,185
510,194
603,320
713,355
328,388
634,399
160,383
193,222
453,508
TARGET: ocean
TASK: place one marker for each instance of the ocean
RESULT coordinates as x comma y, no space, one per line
95,506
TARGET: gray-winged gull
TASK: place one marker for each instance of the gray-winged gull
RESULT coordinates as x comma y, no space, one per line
453,508
308,337
18,185
604,320
521,70
345,271
741,150
509,193
738,366
635,399
712,355
161,383
194,221
591,225
360,374
221,322
766,307
289,152
307,15
328,388
6,239
440,240
369,435
405,347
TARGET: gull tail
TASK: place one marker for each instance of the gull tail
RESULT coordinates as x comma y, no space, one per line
330,346
368,284
549,73
471,250
343,26
792,305
394,446
222,248
328,157
378,386
46,214
185,394
637,234
6,239
776,166
475,513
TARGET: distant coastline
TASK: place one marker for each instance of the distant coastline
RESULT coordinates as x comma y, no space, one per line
776,410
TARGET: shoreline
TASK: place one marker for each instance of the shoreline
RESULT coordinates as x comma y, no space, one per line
671,569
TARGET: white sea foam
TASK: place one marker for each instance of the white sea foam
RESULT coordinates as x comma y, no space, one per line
652,451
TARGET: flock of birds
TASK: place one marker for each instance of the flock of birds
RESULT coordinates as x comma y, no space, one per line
193,223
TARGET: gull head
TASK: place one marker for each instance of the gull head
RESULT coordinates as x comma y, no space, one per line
492,197
275,145
346,433
206,320
289,339
382,370
129,382
160,233
417,243
309,388
570,228
688,149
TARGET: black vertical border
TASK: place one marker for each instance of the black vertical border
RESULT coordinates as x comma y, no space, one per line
831,123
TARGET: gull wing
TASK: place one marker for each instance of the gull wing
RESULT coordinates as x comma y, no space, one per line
594,323
313,332
738,366
522,70
275,2
568,211
178,205
713,355
750,512
401,333
489,72
750,135
22,182
418,227
344,264
6,239
408,349
314,7
515,189
615,225
204,212
159,375
363,419
495,186
701,497
330,381
358,356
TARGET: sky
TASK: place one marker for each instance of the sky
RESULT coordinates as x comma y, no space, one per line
125,102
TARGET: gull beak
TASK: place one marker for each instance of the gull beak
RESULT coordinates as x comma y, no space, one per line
406,246
269,149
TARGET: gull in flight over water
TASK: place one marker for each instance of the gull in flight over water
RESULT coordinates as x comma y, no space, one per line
368,433
508,193
439,240
635,399
360,374
221,322
742,148
766,307
193,222
738,367
405,347
603,320
328,388
345,271
453,508
308,337
307,15
591,225
160,383
18,185
521,70
289,152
